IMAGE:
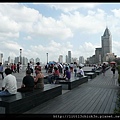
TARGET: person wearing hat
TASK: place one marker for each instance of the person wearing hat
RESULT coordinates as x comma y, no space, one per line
1,70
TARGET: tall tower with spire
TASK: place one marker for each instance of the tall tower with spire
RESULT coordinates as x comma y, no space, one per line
106,41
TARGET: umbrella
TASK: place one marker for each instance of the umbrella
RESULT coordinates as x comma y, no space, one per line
52,62
113,62
60,65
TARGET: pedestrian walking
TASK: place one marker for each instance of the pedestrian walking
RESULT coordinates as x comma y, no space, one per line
113,69
103,69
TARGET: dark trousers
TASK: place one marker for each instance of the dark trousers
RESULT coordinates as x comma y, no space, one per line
2,75
113,71
25,89
18,70
51,78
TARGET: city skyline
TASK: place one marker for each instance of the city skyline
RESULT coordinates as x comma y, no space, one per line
56,28
25,60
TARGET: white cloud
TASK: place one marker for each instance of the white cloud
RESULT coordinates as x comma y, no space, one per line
85,23
87,49
10,48
28,20
116,13
19,19
67,7
116,47
27,38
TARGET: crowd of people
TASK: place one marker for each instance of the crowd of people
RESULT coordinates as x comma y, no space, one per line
30,81
60,71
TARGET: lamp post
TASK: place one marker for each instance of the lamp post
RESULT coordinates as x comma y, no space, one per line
21,56
47,57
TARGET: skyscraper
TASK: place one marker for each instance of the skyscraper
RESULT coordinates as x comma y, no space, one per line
60,60
106,43
1,57
69,56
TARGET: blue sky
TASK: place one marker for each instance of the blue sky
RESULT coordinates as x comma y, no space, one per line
56,28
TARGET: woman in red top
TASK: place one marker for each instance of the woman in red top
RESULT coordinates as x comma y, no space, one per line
54,76
12,67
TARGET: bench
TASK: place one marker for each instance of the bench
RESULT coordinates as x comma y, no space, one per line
45,79
74,82
98,72
91,75
22,102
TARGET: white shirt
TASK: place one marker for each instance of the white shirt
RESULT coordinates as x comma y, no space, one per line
81,71
10,84
75,66
31,65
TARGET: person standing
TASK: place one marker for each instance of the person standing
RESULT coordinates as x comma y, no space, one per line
113,69
46,67
103,68
14,68
75,69
31,67
18,67
1,70
9,84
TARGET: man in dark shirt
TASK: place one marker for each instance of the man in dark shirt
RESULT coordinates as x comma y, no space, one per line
27,83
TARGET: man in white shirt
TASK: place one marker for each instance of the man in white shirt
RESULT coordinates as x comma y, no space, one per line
9,84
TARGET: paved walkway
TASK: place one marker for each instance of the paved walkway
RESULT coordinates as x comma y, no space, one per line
97,96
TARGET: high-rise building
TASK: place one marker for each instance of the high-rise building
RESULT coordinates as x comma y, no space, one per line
9,60
98,53
1,57
69,56
17,59
60,60
66,59
81,59
25,61
106,43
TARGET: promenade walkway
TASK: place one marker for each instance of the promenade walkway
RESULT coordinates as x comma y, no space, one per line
97,96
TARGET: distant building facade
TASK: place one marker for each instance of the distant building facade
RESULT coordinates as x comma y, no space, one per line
106,41
98,55
81,60
60,59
